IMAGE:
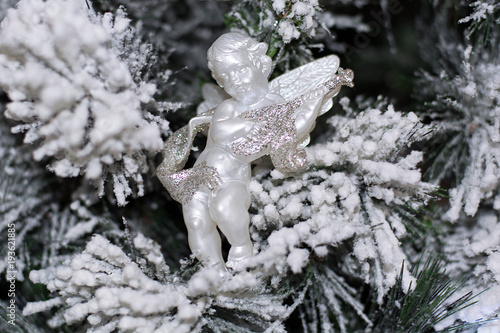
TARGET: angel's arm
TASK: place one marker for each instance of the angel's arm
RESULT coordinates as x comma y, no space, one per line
198,121
195,123
314,101
225,128
306,114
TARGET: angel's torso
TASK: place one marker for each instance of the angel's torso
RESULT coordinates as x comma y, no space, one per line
226,127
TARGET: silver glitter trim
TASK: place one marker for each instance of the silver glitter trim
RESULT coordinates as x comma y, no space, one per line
277,133
183,184
344,77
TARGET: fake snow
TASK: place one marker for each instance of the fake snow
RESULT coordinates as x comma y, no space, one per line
71,84
297,259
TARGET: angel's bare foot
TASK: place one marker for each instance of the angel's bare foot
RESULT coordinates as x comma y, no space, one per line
239,255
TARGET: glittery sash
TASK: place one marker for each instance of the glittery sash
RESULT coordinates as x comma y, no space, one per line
277,132
182,185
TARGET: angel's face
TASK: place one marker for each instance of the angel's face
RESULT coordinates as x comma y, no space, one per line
240,78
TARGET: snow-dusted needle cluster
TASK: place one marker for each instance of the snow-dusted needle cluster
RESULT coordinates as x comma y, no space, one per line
27,207
350,193
467,109
105,287
473,250
73,81
295,18
482,11
113,292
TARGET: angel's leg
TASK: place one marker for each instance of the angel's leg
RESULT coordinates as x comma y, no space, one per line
229,208
203,237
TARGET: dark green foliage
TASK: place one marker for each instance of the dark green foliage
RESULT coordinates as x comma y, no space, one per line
424,304
331,302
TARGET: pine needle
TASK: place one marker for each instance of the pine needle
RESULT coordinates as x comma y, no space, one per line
420,308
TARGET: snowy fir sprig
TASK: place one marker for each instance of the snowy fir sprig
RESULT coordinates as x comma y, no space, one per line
283,25
392,226
472,249
344,197
27,204
463,101
485,15
106,288
72,80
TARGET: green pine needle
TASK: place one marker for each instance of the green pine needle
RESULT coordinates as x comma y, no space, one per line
422,307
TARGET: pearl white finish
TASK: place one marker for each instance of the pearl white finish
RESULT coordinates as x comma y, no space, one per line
241,67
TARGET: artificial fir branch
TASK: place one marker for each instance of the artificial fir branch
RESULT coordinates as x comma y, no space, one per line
331,303
483,19
470,248
286,26
100,127
420,307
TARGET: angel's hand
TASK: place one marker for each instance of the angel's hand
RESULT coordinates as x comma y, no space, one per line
254,144
196,124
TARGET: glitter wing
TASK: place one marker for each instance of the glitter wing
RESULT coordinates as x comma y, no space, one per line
306,78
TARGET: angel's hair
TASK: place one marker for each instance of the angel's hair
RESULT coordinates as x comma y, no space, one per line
232,42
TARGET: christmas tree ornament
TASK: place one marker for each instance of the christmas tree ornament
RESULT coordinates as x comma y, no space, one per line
258,118
80,81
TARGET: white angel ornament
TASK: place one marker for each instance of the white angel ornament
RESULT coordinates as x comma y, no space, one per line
251,119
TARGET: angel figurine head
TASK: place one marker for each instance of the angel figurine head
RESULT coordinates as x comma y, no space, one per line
240,65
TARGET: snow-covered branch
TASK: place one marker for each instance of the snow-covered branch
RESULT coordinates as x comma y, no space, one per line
349,194
112,292
482,10
73,78
296,18
467,113
27,209
472,249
